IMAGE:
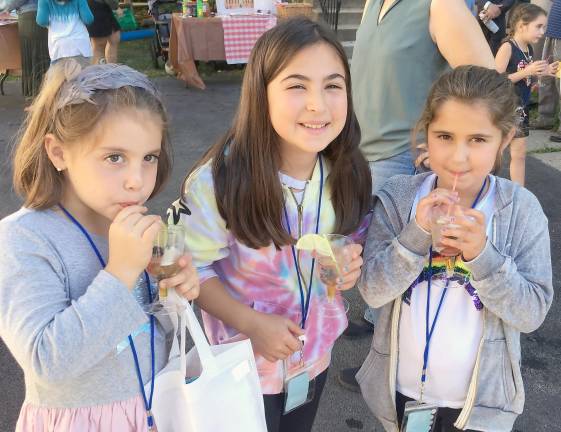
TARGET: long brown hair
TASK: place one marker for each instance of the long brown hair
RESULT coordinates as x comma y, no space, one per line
245,162
473,85
35,178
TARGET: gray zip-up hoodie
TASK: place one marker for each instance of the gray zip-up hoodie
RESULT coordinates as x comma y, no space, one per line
513,279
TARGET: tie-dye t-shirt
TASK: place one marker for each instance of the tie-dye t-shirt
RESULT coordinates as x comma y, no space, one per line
265,278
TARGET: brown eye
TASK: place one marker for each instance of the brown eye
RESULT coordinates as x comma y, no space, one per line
151,158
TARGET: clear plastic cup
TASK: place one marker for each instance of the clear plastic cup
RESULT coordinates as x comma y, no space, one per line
441,218
331,269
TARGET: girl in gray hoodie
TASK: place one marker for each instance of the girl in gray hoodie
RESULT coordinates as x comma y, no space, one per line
447,345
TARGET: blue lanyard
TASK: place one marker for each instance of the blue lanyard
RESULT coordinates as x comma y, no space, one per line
305,302
428,333
147,402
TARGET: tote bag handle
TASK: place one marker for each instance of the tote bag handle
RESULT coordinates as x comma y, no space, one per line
189,320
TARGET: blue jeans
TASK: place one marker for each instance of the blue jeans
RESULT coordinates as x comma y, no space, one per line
381,171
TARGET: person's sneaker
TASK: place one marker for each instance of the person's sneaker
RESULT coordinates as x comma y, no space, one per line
541,123
358,329
347,378
555,137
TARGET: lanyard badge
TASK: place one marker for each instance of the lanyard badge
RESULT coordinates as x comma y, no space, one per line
147,400
420,416
298,388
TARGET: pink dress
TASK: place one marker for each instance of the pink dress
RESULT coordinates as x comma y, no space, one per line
122,416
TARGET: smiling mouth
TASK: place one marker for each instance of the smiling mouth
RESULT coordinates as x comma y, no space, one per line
314,125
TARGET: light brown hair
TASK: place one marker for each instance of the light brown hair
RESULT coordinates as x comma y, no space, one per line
523,13
35,178
245,162
473,85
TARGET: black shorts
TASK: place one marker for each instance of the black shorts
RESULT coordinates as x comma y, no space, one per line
523,129
104,23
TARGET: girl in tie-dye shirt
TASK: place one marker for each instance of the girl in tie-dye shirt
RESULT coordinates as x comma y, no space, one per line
289,165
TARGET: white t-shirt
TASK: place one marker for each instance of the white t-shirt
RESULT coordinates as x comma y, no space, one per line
457,333
68,38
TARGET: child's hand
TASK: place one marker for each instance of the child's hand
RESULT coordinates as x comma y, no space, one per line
538,67
274,337
436,198
131,236
351,272
186,281
471,235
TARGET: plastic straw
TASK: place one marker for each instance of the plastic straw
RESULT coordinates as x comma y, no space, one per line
453,190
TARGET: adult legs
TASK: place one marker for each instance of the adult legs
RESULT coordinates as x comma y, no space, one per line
112,47
34,53
98,47
548,96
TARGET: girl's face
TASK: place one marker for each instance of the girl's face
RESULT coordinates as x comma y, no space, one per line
533,31
116,168
463,142
308,101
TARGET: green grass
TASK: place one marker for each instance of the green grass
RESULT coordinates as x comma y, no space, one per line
548,150
136,54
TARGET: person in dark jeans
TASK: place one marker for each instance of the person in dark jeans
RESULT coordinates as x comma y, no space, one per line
495,10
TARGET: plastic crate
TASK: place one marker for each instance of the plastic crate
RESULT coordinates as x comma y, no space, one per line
126,21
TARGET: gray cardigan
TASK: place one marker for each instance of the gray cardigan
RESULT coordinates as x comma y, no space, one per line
512,276
62,316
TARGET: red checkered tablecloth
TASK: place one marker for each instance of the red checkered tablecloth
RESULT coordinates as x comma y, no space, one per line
241,32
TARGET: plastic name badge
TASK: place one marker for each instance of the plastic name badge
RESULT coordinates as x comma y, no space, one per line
297,391
418,417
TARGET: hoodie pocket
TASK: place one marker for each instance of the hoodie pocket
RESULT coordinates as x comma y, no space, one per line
495,388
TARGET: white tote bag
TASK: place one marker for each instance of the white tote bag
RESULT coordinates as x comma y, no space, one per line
226,396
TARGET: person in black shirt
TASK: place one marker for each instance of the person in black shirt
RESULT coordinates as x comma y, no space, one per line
526,26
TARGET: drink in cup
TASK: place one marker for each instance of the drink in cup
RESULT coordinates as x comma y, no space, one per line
328,274
441,220
168,248
332,254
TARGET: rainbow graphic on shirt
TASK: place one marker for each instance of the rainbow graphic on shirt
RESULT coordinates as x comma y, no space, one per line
462,276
